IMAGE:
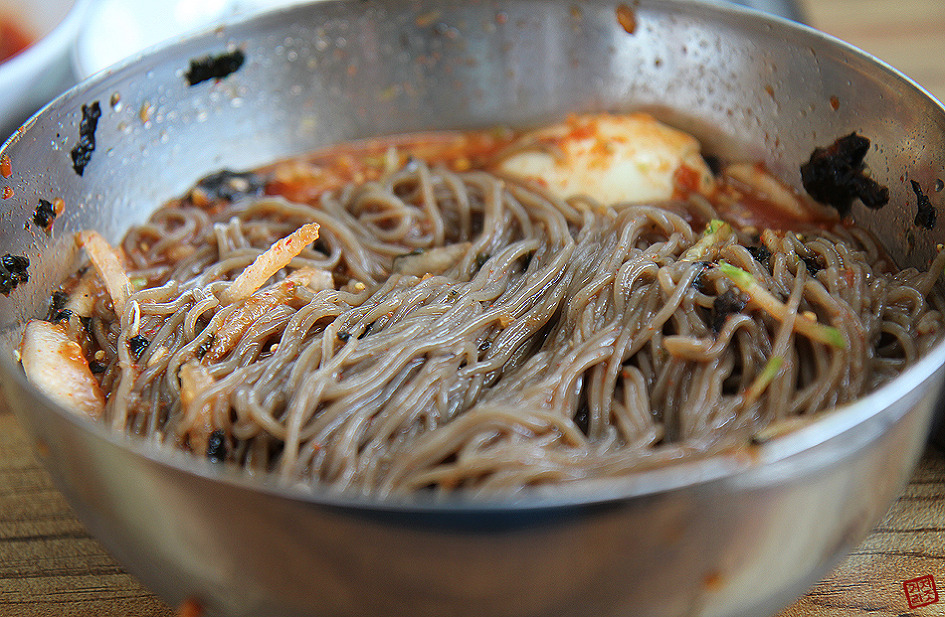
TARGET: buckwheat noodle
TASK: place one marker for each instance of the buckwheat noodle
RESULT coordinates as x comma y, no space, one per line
561,340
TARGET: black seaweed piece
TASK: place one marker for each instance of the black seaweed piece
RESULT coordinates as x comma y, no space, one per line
926,214
13,272
16,265
7,282
82,152
58,300
813,264
137,344
343,336
44,215
97,367
761,254
728,303
836,175
699,281
231,185
61,315
214,67
216,446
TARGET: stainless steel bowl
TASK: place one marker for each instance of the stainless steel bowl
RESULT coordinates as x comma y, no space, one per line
727,536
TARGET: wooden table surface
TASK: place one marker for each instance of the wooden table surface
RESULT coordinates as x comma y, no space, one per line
49,565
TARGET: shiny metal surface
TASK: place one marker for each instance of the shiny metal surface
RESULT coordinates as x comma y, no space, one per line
724,537
784,8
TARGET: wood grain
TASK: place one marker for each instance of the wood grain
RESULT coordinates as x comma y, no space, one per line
49,565
909,543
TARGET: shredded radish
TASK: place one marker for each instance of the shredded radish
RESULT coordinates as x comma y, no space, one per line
198,424
107,263
258,304
274,259
55,363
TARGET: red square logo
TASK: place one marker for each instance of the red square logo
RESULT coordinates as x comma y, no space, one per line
921,591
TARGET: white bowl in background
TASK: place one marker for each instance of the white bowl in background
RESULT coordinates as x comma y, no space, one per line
116,29
42,71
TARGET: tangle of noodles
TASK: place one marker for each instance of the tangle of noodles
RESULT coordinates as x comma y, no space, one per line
478,334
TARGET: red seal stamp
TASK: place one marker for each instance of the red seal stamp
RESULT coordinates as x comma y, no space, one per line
921,591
